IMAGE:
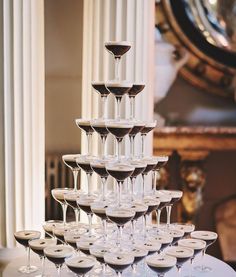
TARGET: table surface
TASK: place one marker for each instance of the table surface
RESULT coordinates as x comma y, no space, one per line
219,269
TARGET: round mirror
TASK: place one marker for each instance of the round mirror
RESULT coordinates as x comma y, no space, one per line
207,28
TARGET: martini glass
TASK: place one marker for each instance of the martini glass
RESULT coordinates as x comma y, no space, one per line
151,163
162,160
118,89
99,209
99,126
99,167
140,209
119,128
57,255
152,204
85,125
58,195
182,254
161,264
38,245
98,251
49,225
148,127
133,92
175,197
196,244
117,49
23,237
70,161
138,126
80,265
120,215
119,261
85,202
209,237
104,92
120,171
139,167
71,200
139,252
84,162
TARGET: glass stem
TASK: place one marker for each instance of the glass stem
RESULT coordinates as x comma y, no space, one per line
28,258
119,141
89,139
43,265
117,63
154,181
104,110
168,210
118,101
64,209
119,183
143,136
145,226
143,191
132,230
120,233
131,138
119,274
158,218
132,107
75,177
90,217
103,146
76,211
103,183
89,176
58,267
132,187
104,225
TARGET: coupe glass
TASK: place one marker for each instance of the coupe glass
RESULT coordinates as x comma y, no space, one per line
84,162
71,200
85,202
120,171
119,129
197,245
57,255
138,126
99,209
164,239
70,161
119,261
80,265
117,49
182,254
139,253
49,225
162,160
209,237
175,197
104,92
186,227
151,163
38,245
85,125
118,89
161,264
71,236
58,195
99,167
139,167
23,237
148,127
120,215
99,126
133,92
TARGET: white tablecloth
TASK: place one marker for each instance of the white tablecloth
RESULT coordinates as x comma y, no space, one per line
220,269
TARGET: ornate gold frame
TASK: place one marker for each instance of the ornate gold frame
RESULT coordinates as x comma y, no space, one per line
200,70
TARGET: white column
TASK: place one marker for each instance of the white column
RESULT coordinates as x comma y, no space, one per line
131,20
23,49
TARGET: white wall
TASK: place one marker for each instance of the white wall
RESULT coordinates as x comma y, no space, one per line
63,62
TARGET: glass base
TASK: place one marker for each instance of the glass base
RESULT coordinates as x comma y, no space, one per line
27,269
203,268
